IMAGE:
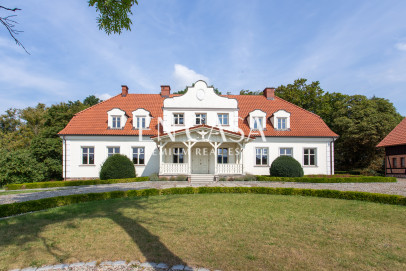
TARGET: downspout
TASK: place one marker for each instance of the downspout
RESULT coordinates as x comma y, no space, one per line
331,156
64,141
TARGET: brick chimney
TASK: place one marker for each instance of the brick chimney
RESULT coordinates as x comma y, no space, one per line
269,93
124,90
165,91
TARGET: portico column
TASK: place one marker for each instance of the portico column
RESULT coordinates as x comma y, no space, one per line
189,157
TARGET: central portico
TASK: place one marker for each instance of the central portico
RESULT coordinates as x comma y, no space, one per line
201,149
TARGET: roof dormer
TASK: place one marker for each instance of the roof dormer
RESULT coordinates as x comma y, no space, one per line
281,120
257,120
141,118
116,118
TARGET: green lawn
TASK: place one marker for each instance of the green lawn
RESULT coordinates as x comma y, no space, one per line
218,231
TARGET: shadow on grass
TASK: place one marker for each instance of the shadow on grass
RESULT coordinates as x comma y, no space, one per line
28,228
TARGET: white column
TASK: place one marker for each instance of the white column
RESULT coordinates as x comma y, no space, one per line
189,157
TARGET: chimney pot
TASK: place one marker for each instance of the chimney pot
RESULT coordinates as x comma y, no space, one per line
269,93
124,90
165,91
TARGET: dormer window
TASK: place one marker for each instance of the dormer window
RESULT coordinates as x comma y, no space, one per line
140,122
141,119
116,118
201,118
257,120
281,120
282,123
178,119
116,122
258,123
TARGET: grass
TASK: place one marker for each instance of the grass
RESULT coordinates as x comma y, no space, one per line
223,231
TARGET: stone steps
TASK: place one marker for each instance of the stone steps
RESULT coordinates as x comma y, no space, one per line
202,178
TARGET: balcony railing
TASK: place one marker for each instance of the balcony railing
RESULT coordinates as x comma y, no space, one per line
229,169
174,168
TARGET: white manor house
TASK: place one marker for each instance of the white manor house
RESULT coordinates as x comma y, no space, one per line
198,134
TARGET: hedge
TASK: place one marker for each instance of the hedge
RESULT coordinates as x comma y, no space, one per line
42,204
352,179
72,183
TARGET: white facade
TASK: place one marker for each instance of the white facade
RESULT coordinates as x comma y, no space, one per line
205,126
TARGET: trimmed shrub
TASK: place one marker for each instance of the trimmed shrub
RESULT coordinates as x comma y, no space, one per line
73,183
117,166
42,204
154,177
352,179
286,166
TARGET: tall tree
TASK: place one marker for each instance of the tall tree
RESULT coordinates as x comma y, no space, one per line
91,100
250,92
308,96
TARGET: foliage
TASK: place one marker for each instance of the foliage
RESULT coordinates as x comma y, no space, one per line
286,166
114,15
329,179
42,204
117,166
91,100
10,121
250,92
73,183
360,122
19,166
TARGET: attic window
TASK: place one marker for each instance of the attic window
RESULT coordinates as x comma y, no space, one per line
258,123
282,123
116,122
140,122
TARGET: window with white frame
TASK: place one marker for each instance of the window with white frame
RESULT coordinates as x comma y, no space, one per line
222,155
310,157
258,123
261,156
116,122
138,155
88,155
112,150
285,152
140,122
223,118
282,123
178,155
178,118
200,118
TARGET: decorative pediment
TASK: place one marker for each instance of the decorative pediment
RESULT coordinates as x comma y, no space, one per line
200,96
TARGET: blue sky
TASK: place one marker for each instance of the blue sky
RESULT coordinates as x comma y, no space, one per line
352,47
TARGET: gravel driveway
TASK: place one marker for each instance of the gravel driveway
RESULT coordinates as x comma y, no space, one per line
398,188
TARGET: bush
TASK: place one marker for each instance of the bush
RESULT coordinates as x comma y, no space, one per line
181,178
20,166
42,204
352,179
73,183
286,166
117,166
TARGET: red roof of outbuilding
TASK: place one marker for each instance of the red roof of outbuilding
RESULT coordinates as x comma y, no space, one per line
93,120
396,137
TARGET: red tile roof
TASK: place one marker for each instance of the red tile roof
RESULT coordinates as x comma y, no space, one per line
93,120
396,137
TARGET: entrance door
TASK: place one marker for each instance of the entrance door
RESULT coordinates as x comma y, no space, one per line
200,164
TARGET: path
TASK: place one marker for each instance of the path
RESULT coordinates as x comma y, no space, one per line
398,188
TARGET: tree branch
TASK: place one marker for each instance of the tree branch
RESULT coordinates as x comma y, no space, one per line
10,26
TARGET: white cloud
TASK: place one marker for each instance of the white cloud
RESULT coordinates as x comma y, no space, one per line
401,46
186,77
18,74
104,96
